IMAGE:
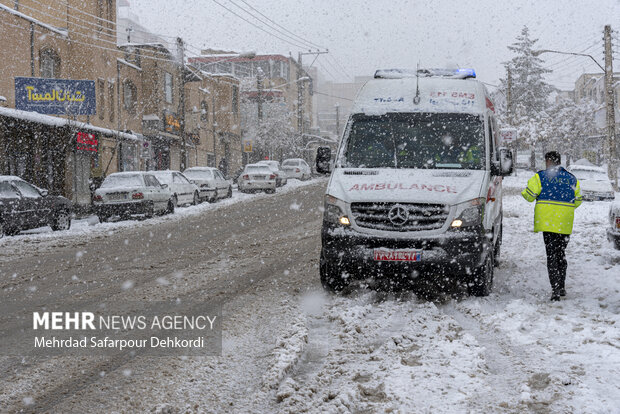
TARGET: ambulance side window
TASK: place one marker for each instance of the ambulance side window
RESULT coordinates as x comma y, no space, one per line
491,141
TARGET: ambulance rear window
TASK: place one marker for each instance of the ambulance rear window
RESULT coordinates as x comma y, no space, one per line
421,140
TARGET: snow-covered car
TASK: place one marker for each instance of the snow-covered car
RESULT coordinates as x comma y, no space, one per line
24,206
183,191
274,166
296,168
613,231
594,182
210,181
417,184
132,193
257,177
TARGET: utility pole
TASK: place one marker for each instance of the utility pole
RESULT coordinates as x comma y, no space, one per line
259,104
612,151
300,90
337,120
181,51
300,97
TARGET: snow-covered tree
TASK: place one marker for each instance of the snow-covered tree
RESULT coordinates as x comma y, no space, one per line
529,93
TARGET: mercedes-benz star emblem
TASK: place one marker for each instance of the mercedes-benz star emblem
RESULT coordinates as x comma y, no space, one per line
398,215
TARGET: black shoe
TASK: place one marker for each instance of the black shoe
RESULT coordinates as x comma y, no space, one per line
562,292
555,296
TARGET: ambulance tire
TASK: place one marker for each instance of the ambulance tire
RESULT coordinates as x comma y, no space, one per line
331,277
481,281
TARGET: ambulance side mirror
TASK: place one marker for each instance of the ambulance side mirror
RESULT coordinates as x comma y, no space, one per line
505,165
323,160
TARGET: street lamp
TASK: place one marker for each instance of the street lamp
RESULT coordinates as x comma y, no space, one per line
540,52
612,163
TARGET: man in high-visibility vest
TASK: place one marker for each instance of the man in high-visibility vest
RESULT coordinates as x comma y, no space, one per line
557,194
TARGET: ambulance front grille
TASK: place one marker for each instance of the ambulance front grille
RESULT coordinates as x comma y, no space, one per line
413,216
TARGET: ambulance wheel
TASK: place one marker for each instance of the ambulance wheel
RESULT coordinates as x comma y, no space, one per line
481,281
331,277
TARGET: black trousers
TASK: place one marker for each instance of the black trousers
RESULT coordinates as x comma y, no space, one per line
555,244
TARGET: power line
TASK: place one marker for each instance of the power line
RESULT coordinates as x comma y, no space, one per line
334,96
258,27
119,51
282,27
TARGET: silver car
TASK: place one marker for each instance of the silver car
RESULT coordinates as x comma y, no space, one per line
211,183
594,182
296,168
132,193
257,177
274,166
183,191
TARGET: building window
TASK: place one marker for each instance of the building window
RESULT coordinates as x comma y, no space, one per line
168,87
130,97
101,95
112,101
49,62
204,111
235,100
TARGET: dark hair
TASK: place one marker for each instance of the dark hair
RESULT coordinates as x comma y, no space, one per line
554,157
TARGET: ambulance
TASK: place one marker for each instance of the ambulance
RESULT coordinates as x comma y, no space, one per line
416,187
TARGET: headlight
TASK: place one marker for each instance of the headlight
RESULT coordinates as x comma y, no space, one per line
469,213
334,211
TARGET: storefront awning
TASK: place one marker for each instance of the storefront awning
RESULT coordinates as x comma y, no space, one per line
57,122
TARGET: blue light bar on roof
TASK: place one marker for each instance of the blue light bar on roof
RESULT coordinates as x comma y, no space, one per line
435,72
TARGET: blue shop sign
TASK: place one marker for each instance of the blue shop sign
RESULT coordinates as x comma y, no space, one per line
55,96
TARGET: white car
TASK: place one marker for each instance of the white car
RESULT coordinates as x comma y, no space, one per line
281,178
210,182
296,168
594,182
257,177
613,232
132,193
183,191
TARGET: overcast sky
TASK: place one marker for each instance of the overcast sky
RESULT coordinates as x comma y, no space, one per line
365,35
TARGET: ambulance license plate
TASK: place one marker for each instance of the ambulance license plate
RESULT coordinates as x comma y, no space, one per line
400,255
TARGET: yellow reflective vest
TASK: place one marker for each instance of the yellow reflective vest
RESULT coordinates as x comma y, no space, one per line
557,194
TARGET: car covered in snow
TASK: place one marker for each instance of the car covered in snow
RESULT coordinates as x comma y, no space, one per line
24,206
613,231
257,177
183,191
126,194
210,181
594,182
296,168
417,184
274,166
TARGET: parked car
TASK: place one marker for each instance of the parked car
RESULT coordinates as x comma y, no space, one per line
24,206
257,177
613,231
132,193
210,181
183,191
594,182
296,168
274,166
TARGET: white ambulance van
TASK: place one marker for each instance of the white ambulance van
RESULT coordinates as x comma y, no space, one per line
416,188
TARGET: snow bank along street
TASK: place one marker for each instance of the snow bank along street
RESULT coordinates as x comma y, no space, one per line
290,347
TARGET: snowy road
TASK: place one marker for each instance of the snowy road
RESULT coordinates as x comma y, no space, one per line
288,347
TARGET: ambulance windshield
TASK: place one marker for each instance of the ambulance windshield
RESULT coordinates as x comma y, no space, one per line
415,140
